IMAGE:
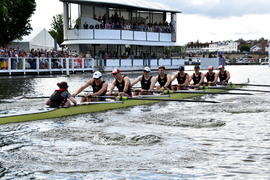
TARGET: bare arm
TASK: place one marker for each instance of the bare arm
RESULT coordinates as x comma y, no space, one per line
112,87
127,84
103,89
168,81
153,83
88,83
228,76
73,100
174,77
216,78
191,78
187,80
136,81
202,79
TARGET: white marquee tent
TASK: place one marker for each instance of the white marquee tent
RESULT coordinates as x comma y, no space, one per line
38,38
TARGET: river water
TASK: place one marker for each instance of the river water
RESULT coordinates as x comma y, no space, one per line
171,140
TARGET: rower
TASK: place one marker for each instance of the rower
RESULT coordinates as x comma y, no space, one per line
211,76
182,79
197,77
122,83
61,97
146,81
99,88
223,75
163,79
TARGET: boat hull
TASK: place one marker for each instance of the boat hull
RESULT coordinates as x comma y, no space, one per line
91,108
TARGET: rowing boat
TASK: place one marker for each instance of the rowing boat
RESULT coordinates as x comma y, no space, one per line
93,107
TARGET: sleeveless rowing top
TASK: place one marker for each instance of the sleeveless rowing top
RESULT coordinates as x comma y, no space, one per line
120,86
197,79
146,83
180,79
96,88
210,77
59,98
162,82
223,76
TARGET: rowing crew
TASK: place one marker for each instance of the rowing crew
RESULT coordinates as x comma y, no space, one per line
62,98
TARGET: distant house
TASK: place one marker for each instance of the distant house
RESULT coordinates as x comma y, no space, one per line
197,47
225,46
38,38
260,47
255,48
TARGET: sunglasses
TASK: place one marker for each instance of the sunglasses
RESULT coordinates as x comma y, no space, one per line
114,74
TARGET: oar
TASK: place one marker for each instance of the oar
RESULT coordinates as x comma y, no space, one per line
30,97
36,97
238,89
259,85
201,92
122,98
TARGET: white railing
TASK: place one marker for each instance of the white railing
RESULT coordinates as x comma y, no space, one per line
50,65
138,64
70,65
105,34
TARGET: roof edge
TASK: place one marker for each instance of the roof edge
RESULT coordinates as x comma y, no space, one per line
124,5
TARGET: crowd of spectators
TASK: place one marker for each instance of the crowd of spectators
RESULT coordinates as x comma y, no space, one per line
33,53
17,54
116,22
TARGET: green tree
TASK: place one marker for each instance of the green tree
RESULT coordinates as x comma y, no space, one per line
244,47
15,19
57,30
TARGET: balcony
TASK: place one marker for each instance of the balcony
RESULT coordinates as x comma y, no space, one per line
105,36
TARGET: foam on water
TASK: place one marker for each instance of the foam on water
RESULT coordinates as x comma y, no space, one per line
168,140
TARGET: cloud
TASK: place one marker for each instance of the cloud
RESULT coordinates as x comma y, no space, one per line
220,8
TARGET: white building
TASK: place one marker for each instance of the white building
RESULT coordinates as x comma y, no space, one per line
37,39
226,46
119,28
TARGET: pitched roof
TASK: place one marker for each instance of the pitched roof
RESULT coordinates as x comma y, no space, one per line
29,37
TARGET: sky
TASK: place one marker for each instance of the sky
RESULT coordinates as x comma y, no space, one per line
201,20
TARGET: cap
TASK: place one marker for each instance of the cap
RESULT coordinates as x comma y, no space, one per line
210,68
97,75
147,69
221,67
115,71
196,67
62,85
181,68
161,67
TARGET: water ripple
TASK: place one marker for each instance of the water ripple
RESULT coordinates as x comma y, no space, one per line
117,139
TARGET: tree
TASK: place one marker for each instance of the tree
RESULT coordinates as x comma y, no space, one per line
245,48
15,19
57,29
